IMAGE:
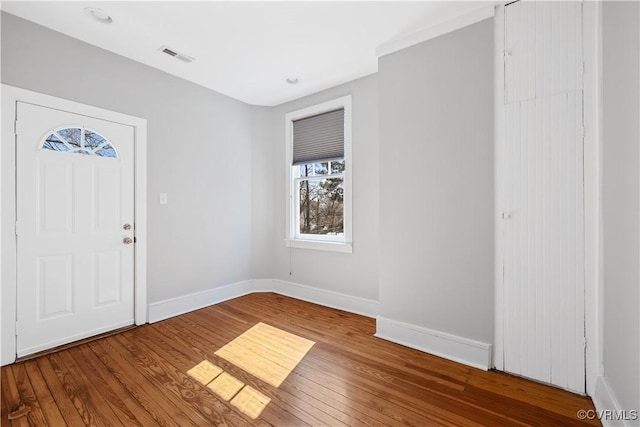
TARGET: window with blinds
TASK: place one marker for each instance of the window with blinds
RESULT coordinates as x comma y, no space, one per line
319,196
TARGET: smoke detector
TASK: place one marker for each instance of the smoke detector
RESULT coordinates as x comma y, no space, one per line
174,53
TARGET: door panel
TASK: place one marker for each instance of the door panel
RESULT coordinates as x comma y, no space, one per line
542,195
107,277
55,181
106,209
75,274
55,285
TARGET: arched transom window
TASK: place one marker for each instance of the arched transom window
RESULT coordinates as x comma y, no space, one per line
77,140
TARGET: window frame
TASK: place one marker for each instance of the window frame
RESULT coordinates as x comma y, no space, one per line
82,150
310,241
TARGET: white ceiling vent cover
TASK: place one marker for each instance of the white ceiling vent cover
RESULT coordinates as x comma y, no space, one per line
172,52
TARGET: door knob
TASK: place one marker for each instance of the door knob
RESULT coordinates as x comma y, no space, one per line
127,226
127,240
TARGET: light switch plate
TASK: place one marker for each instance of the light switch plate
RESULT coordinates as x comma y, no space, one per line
163,198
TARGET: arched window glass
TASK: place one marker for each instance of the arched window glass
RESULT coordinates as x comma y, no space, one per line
77,140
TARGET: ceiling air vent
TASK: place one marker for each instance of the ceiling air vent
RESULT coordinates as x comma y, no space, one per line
172,52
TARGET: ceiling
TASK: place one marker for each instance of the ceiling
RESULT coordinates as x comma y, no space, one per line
247,50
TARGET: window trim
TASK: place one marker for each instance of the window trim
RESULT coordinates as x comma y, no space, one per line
305,241
71,150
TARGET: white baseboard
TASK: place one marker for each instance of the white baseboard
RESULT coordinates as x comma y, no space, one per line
180,305
448,346
605,399
357,305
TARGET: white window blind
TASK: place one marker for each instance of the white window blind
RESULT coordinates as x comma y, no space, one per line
319,138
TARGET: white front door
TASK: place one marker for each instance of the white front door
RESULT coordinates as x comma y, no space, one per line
75,230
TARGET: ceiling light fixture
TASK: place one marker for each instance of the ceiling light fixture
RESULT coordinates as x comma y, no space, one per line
292,80
98,14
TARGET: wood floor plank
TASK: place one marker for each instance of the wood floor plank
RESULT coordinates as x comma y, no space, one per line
349,377
4,403
157,384
370,378
83,389
339,398
329,405
28,396
10,391
152,396
391,403
74,411
124,407
503,385
42,392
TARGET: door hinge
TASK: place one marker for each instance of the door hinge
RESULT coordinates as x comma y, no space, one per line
585,343
17,325
582,132
15,127
582,68
16,228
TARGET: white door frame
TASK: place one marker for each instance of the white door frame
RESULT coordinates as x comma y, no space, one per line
592,56
594,258
8,255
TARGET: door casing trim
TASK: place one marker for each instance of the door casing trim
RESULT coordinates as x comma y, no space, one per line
8,256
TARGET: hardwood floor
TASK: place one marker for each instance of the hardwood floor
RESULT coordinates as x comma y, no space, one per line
349,377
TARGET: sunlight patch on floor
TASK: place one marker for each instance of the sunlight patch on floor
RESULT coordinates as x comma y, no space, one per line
204,372
250,402
226,386
265,352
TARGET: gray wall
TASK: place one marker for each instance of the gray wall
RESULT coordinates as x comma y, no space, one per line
264,201
354,274
198,142
436,183
620,201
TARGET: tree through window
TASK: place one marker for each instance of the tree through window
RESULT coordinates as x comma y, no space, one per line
78,140
321,198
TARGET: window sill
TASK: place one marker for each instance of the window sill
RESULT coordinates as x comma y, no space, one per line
319,246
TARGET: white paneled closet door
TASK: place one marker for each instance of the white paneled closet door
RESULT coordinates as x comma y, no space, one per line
540,172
